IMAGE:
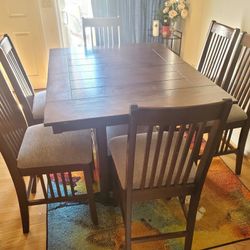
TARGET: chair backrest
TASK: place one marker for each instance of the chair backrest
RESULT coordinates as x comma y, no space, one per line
12,125
17,75
101,32
217,51
170,153
237,80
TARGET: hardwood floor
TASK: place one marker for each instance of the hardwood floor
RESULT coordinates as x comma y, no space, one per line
11,236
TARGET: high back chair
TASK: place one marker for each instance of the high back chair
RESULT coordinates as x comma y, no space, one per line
32,104
237,84
101,32
161,165
217,51
36,151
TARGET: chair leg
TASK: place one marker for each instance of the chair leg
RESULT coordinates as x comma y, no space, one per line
192,211
23,203
24,211
128,228
241,148
89,187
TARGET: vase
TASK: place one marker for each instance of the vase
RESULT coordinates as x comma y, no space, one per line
165,31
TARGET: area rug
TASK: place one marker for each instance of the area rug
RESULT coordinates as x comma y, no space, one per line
223,217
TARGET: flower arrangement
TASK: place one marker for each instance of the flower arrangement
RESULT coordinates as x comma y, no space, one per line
173,10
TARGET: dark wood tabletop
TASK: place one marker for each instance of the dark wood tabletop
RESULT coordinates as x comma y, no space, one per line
95,88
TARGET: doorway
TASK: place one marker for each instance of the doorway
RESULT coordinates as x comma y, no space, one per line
70,13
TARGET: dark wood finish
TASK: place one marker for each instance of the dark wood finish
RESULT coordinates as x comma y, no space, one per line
101,31
237,84
217,51
189,125
12,130
18,78
94,88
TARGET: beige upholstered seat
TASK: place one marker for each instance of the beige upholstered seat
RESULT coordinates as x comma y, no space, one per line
236,114
118,147
113,131
40,147
117,130
39,105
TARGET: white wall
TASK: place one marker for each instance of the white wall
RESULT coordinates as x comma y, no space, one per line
202,12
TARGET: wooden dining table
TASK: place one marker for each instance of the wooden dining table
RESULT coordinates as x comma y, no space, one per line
94,89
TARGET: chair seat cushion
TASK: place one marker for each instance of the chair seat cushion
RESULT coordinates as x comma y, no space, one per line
236,114
42,148
118,149
38,105
117,130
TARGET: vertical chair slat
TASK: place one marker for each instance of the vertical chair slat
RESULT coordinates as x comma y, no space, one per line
43,187
244,89
146,157
156,157
50,186
214,57
224,138
171,130
221,53
92,36
228,140
64,184
31,181
177,146
207,60
195,151
243,77
57,185
71,184
19,75
237,72
188,141
246,102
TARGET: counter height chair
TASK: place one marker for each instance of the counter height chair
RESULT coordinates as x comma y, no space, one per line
237,84
32,103
101,32
161,164
36,151
217,51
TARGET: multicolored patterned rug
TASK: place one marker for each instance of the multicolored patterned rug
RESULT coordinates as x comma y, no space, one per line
223,217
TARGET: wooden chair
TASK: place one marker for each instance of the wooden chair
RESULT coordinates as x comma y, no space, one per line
101,32
217,51
32,104
237,84
161,165
36,151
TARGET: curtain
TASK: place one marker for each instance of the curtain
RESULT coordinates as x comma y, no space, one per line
136,17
